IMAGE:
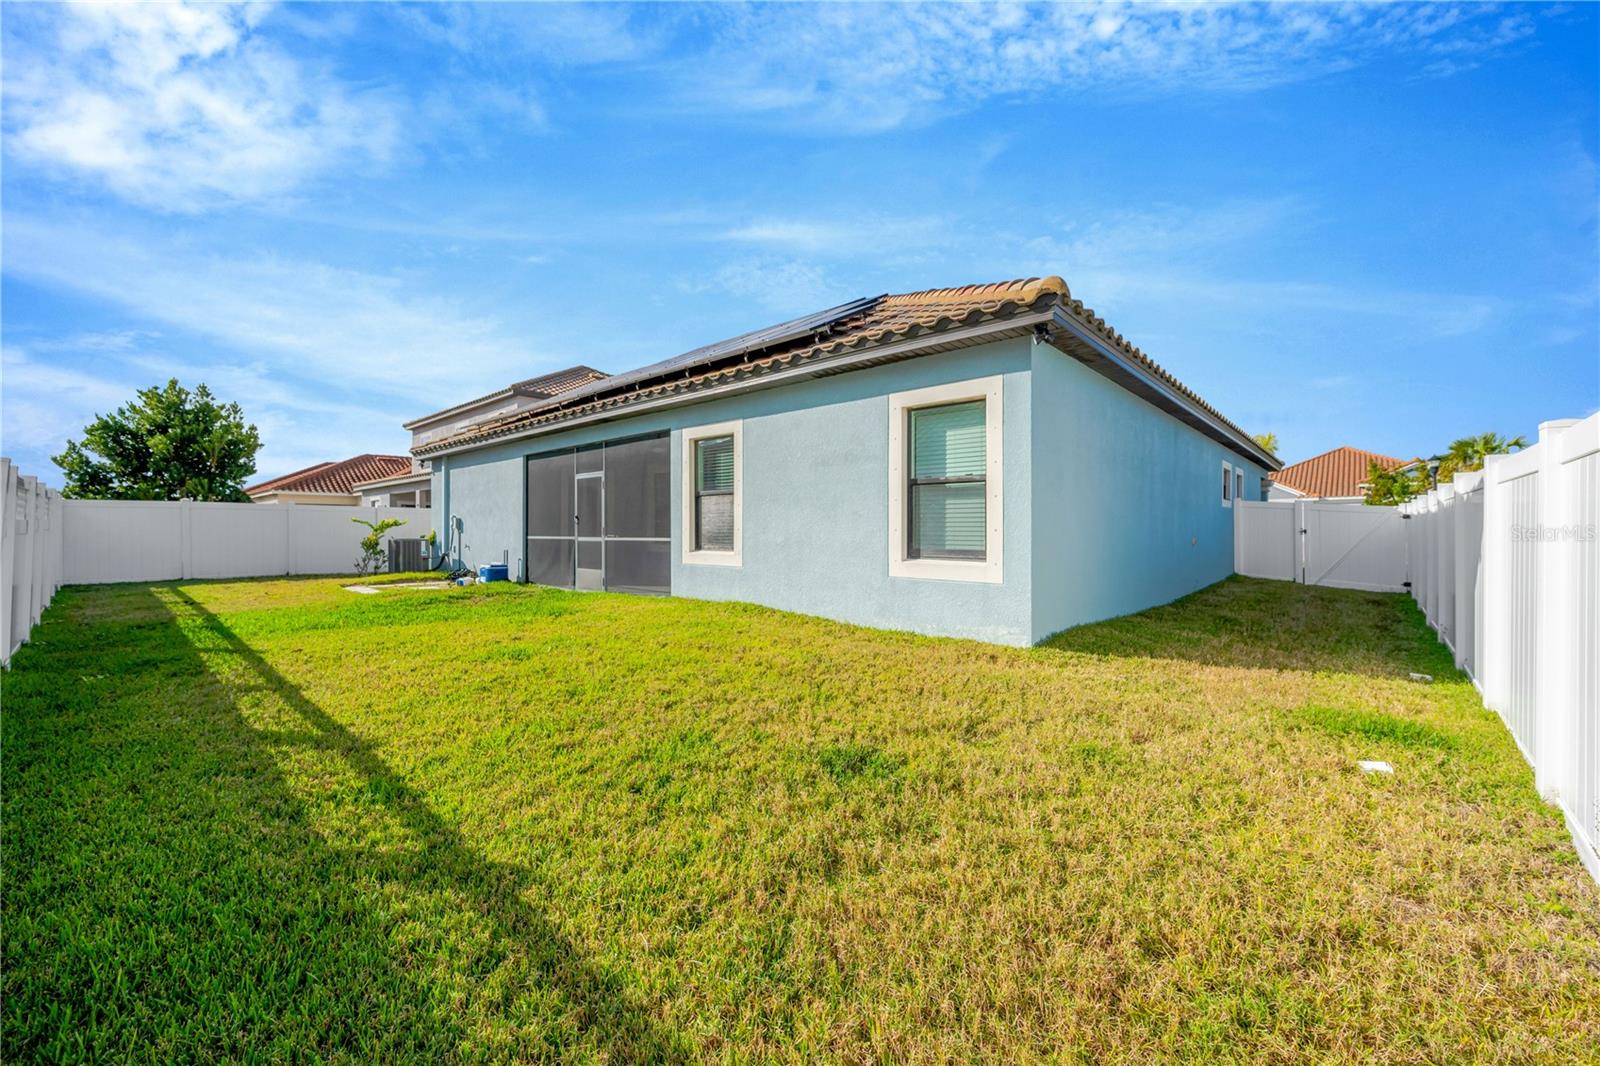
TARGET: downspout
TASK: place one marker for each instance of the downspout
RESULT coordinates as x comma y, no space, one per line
444,496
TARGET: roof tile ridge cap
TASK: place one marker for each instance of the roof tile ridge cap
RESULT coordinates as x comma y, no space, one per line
1025,290
1033,288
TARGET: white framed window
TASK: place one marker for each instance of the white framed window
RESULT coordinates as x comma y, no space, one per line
1227,484
1238,483
713,494
945,478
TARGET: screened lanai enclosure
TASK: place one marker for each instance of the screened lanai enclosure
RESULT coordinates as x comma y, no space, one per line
599,517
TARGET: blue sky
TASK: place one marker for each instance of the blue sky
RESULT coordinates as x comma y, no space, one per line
1347,225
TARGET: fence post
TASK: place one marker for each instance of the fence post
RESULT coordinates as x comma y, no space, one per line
288,538
1444,567
1556,579
41,506
1493,668
1468,544
184,539
30,518
8,541
58,542
1299,533
1424,572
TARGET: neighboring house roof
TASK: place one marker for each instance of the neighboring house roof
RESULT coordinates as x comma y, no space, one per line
340,477
1341,472
419,477
543,387
907,324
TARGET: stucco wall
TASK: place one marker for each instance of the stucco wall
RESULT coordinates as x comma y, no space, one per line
1127,505
1111,505
815,512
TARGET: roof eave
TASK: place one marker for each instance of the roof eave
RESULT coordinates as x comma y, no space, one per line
893,351
1108,361
503,394
397,479
1125,371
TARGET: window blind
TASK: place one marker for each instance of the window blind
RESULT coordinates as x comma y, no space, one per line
948,494
713,497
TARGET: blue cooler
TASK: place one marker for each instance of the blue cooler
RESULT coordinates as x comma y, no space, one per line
493,572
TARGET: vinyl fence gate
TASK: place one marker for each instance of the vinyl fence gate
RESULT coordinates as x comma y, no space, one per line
1337,545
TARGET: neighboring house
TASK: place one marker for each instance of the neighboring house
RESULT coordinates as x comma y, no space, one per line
332,484
992,461
414,488
506,402
1339,476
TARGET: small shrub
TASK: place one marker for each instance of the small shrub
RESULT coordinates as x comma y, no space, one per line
372,553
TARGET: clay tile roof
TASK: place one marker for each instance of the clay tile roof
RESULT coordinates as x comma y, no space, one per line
1340,472
544,386
334,478
560,381
861,324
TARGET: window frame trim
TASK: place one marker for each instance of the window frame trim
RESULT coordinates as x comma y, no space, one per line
990,569
1227,484
692,435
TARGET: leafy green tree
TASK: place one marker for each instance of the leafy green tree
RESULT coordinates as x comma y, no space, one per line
1468,453
1391,487
1268,442
168,444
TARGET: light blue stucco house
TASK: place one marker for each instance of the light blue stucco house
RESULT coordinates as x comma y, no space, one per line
991,461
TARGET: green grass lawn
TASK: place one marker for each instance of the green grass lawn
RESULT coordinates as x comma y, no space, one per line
275,820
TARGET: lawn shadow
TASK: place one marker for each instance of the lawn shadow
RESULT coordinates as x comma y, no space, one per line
169,896
1274,625
592,1001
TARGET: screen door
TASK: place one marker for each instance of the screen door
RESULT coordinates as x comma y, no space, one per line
600,517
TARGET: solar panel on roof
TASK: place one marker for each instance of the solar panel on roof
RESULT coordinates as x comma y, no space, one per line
710,353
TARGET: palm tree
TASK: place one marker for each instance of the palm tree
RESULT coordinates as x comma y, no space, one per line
1268,441
1468,453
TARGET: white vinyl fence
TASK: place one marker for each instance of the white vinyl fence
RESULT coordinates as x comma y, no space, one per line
1340,545
1506,566
137,540
30,555
49,542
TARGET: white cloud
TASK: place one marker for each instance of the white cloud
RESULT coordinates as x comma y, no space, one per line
559,33
787,286
326,324
868,67
1204,256
181,106
46,403
840,236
